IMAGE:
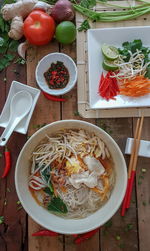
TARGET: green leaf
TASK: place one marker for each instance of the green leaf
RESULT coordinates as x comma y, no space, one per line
10,57
133,47
2,24
84,26
13,45
5,61
1,41
1,219
46,174
88,3
57,205
49,190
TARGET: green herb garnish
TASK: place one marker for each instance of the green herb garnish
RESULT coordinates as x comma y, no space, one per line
84,26
1,219
88,3
128,227
57,205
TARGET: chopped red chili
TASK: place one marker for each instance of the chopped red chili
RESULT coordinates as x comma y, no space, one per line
108,86
57,76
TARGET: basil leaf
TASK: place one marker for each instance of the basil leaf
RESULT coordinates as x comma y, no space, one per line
57,205
84,26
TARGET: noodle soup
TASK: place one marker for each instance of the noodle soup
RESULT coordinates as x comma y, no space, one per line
72,173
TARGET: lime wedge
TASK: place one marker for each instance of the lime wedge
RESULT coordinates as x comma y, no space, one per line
109,65
110,52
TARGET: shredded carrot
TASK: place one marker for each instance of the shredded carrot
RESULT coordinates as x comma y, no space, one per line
63,189
139,86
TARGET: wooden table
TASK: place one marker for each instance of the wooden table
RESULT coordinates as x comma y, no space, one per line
129,233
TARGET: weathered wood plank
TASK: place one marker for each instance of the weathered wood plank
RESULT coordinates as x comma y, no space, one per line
120,232
15,221
46,111
143,193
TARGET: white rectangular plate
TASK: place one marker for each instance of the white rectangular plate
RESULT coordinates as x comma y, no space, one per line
115,37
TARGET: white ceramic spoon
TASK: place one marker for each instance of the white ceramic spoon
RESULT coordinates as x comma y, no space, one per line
19,107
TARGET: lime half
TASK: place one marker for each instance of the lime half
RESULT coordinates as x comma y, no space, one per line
110,52
109,65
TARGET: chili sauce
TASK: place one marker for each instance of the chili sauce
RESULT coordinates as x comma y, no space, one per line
57,76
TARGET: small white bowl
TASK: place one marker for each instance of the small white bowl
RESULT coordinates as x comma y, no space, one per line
44,65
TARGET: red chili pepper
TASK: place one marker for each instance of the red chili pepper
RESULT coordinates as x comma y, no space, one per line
7,163
75,235
86,236
45,233
108,86
53,98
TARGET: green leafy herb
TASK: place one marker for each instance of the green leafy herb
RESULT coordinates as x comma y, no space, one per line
13,45
57,205
84,26
130,46
1,155
1,219
46,174
8,46
1,41
128,227
49,190
147,74
18,202
5,61
47,178
88,3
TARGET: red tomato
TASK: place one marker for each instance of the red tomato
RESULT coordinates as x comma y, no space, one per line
39,27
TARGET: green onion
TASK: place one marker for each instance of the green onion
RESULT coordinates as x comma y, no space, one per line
110,16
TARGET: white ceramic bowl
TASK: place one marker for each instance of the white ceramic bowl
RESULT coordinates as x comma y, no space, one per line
44,65
51,221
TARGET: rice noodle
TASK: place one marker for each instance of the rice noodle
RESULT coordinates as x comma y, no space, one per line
68,155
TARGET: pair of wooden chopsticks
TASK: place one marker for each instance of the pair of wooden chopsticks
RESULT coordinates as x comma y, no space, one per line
132,165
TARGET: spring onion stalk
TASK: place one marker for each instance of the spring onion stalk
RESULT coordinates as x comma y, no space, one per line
124,7
110,16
